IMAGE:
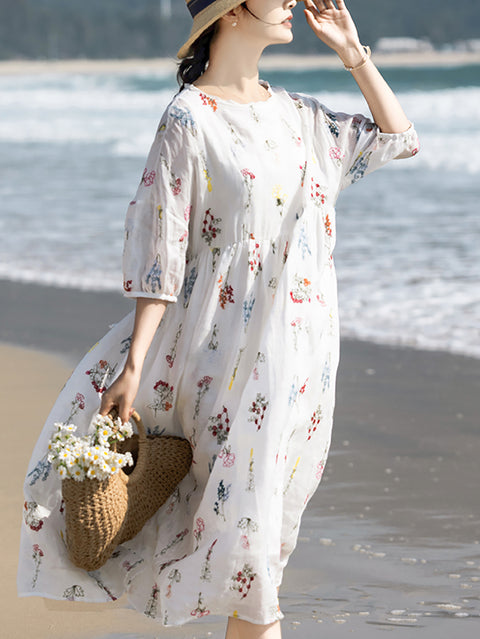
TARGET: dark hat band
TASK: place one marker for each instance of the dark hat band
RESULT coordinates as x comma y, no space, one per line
195,6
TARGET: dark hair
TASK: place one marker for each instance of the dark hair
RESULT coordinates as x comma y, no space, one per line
193,65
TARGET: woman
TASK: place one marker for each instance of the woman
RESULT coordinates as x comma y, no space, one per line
228,247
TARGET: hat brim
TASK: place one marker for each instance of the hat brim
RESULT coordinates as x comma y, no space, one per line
205,19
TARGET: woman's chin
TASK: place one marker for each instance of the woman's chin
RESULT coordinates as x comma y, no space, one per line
285,39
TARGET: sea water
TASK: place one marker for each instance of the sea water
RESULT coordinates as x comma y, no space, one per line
73,147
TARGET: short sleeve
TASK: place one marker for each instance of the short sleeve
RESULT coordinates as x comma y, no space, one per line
352,144
361,147
157,220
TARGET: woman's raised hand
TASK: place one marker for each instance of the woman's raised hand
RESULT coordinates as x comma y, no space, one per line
332,24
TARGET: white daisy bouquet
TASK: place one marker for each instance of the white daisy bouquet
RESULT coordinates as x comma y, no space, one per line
90,456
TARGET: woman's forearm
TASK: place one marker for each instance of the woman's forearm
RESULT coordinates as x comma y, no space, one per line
382,102
148,315
332,23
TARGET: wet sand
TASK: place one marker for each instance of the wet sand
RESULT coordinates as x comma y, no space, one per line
391,539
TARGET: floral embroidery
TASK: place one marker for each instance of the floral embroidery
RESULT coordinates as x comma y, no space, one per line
185,118
103,587
227,457
226,295
126,343
202,385
316,194
210,228
73,593
335,154
328,226
223,493
198,530
41,471
302,290
325,379
249,526
175,182
213,343
314,421
299,326
235,368
173,351
303,243
251,474
153,280
37,556
30,516
247,310
151,607
248,178
360,166
174,498
295,390
163,397
100,374
206,572
188,285
201,609
243,579
219,426
303,169
208,101
148,177
331,120
254,261
258,408
260,359
292,475
176,540
174,576
280,197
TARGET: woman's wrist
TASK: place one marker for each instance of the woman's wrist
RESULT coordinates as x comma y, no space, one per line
133,367
352,56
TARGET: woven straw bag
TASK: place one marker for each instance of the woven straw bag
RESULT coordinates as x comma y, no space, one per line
101,515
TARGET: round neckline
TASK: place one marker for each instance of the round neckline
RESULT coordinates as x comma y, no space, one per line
219,100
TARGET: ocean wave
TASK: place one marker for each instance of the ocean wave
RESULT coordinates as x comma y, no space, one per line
88,111
407,252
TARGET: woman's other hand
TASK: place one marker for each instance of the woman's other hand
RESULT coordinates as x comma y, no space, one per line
121,395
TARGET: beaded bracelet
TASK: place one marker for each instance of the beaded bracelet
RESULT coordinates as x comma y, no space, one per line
368,53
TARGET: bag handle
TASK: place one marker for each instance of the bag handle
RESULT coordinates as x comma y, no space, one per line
140,465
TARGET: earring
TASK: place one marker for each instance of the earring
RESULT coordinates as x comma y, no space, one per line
234,24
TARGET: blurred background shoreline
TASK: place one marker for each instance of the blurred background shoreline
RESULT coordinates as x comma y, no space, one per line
268,61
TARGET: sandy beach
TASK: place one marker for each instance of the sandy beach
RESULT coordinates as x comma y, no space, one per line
268,62
391,539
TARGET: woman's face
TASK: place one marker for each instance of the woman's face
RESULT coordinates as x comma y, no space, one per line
274,25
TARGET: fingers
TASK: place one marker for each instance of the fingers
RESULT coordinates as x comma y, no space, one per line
125,411
106,405
324,5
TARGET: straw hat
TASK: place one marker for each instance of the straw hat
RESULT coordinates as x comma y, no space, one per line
204,14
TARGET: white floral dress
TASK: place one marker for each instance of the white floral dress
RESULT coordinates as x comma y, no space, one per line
234,223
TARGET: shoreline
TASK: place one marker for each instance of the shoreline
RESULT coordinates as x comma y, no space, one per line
268,62
72,320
